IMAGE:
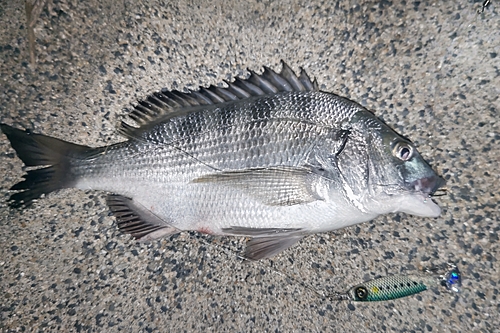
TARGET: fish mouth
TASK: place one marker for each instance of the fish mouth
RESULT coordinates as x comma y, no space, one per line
428,185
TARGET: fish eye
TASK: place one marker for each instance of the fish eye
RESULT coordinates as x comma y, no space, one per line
403,151
361,292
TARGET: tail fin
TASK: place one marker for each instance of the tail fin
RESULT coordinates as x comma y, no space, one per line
48,164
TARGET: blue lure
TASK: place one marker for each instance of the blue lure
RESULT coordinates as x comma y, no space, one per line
453,279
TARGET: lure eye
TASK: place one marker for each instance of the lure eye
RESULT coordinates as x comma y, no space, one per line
361,293
403,151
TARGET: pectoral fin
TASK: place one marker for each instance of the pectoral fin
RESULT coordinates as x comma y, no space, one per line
279,186
266,242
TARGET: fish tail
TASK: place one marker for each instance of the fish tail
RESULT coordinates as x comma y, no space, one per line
47,161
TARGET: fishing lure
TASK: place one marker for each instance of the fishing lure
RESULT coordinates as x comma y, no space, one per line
397,286
380,289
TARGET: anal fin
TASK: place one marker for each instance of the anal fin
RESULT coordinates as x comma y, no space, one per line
266,242
136,220
266,247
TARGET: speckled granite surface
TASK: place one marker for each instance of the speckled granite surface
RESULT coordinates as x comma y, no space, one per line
430,69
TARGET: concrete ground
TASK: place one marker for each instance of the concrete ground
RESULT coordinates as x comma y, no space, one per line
430,69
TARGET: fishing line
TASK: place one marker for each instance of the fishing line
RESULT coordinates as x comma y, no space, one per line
470,17
379,289
228,251
448,63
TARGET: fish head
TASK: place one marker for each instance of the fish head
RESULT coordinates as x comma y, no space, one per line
399,179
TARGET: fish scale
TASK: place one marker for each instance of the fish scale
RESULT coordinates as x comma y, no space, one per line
269,157
221,152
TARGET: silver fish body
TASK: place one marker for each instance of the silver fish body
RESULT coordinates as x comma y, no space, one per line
271,157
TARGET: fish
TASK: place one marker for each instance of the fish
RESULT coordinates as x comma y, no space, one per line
397,286
270,157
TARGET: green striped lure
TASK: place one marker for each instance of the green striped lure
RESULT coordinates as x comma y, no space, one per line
397,286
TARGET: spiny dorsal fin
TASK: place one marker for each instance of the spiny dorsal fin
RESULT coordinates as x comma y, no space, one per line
159,105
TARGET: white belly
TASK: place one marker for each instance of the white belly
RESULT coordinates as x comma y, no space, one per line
210,208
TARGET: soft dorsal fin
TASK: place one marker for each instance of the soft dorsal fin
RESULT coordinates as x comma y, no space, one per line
159,105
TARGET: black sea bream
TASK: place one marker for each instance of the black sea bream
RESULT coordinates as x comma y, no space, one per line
270,157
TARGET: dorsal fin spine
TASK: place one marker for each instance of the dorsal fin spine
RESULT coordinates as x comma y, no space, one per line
224,93
160,105
187,98
157,110
213,96
276,79
248,86
169,96
290,76
262,83
141,108
153,99
168,102
237,91
204,100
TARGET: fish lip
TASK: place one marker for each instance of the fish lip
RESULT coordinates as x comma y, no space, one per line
428,185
